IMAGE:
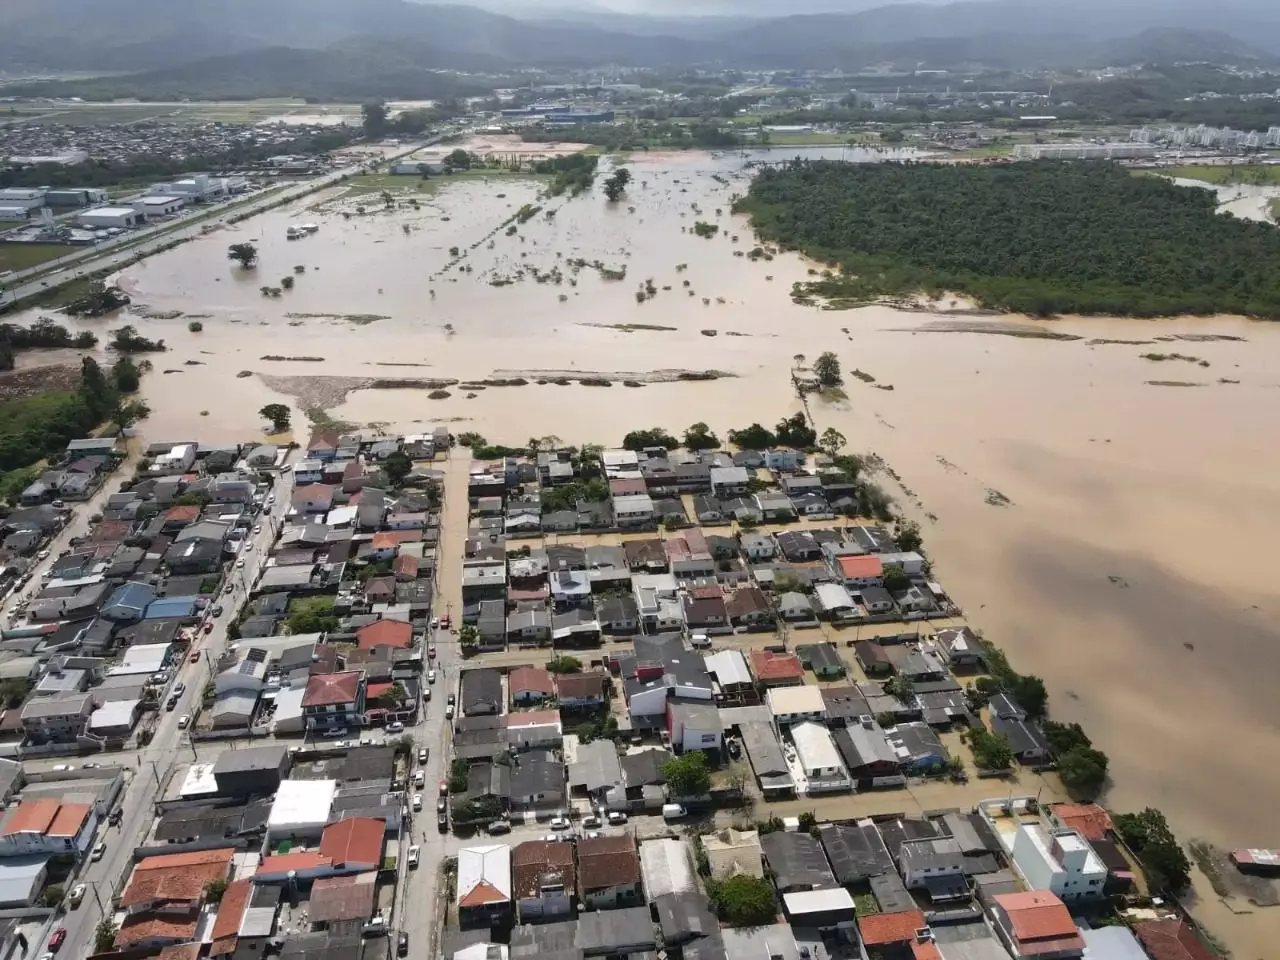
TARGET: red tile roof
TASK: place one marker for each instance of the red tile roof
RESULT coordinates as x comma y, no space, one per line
1171,940
857,568
530,680
881,929
284,862
406,567
605,862
176,876
32,816
180,951
385,633
1088,819
356,840
138,927
623,486
331,688
534,863
925,950
1040,922
312,493
188,514
767,665
70,818
343,898
580,685
230,915
393,538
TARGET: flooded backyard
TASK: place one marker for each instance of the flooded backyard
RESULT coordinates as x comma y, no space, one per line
1104,517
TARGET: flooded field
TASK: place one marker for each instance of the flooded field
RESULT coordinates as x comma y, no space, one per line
1103,516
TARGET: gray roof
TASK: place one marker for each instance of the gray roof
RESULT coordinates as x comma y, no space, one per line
856,851
796,861
268,757
891,893
596,767
481,688
863,745
763,750
644,767
532,777
610,931
684,917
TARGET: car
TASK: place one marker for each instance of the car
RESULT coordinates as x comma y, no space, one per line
422,754
231,587
395,726
592,835
249,545
240,564
435,622
57,504
258,528
442,822
336,732
195,656
417,801
445,622
180,688
616,817
448,712
452,699
431,676
442,804
414,852
559,823
184,721
57,939
208,627
431,652
426,693
217,610
402,942
99,849
171,704
76,896
420,779
591,821
444,788
499,826
42,555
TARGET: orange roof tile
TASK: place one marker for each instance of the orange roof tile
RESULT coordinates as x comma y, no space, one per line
356,840
1037,916
331,688
176,876
69,820
1088,819
880,929
32,816
1171,940
925,950
530,680
185,514
767,665
393,538
137,927
180,951
482,893
533,718
406,566
284,862
857,568
231,909
385,633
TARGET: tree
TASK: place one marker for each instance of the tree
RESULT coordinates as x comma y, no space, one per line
393,696
892,136
278,414
312,615
126,414
246,254
795,431
195,326
53,895
1148,835
990,751
1064,737
743,900
908,537
564,664
807,821
832,441
754,437
286,282
214,889
98,395
687,775
468,635
127,375
700,437
653,437
458,160
14,690
616,184
405,745
827,369
396,467
900,687
1083,769
1031,695
458,771
894,578
374,116
104,935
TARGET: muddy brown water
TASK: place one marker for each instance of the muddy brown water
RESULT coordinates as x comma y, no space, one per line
1130,567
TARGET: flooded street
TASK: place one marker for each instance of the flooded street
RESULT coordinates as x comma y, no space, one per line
1128,568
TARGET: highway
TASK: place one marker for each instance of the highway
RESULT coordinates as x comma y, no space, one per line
152,764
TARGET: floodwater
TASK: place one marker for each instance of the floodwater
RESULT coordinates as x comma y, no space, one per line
1128,565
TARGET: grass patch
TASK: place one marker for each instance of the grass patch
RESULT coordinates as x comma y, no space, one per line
24,256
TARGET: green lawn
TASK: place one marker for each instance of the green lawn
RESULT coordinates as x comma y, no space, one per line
23,256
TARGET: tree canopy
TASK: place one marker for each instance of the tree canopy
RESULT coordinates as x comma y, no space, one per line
1041,237
687,775
700,437
1148,835
653,437
743,900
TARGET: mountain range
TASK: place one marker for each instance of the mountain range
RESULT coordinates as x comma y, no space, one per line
358,48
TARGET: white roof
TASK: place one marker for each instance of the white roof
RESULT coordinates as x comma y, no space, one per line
165,198
114,713
618,458
729,666
302,803
288,705
113,211
667,867
802,699
814,746
489,864
658,582
833,596
817,901
199,781
20,878
143,658
340,516
628,502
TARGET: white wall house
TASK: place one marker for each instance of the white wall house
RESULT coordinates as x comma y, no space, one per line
1060,861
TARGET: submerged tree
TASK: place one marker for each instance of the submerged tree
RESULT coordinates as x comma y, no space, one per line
246,254
616,184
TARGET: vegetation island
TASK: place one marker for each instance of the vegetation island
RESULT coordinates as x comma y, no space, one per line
1041,238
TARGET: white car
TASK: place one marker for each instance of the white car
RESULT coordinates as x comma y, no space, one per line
99,849
559,823
240,564
258,528
184,721
435,622
417,801
76,896
414,852
448,712
422,754
616,817
431,676
395,726
591,822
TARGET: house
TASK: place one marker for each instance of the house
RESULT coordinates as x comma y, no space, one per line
796,862
867,753
917,746
796,608
334,701
834,602
799,546
705,613
608,872
1058,861
529,685
129,602
742,509
816,754
783,458
577,627
648,556
174,882
693,725
385,633
596,768
823,659
570,588
484,887
632,510
537,729
729,481
1036,924
481,692
873,658
910,563
313,498
876,600
1172,939
733,852
544,879
537,778
707,509
792,704
580,690
1028,744
774,507
56,719
959,646
529,627
856,572
47,825
690,556
883,933
618,614
776,669
936,866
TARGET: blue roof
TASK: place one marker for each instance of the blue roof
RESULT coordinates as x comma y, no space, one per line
132,596
171,608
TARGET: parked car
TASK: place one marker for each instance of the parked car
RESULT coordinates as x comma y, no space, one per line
184,721
331,734
452,699
76,897
420,779
99,849
217,610
422,754
240,564
195,656
431,676
499,826
414,852
171,703
617,817
444,788
179,689
442,822
417,801
591,821
431,652
559,823
208,626
448,712
445,622
402,943
56,940
426,693
395,726
673,811
442,805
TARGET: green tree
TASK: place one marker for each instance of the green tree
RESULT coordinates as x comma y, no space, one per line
700,437
990,751
214,889
687,775
14,690
374,116
754,437
245,254
908,537
397,466
458,160
832,441
53,895
1148,835
1031,695
564,664
743,900
278,414
900,687
312,615
1083,769
807,821
894,578
616,184
653,437
795,431
195,326
127,375
286,282
104,935
97,393
892,136
827,369
468,635
1063,737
